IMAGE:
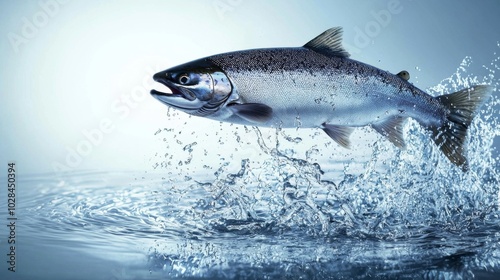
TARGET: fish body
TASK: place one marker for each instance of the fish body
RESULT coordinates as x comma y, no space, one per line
318,86
306,89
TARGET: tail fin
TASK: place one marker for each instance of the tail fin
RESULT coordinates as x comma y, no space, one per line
462,107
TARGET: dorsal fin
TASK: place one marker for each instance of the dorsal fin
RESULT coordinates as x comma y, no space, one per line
328,43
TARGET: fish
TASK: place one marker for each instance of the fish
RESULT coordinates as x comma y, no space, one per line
319,86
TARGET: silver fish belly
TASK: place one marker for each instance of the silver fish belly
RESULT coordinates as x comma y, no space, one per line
318,85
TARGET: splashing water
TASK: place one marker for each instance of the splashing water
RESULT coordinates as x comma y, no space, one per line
239,202
398,213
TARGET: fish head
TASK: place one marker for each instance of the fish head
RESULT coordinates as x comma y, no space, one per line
197,88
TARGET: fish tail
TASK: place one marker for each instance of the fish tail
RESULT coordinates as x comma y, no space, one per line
461,107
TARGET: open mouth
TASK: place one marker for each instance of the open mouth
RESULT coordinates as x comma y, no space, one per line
178,97
166,85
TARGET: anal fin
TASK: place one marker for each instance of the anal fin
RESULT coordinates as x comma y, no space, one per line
392,128
339,134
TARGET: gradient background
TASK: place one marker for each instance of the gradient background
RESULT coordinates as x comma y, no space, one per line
87,64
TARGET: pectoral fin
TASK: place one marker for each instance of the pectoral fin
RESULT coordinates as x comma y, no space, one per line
253,112
339,134
392,128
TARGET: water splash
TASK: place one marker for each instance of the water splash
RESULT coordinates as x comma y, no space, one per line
241,202
392,208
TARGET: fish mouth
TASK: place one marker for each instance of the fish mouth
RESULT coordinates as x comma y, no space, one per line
178,97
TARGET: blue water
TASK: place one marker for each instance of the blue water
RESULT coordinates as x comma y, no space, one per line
273,205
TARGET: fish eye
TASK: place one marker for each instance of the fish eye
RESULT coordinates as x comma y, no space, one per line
184,79
188,79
